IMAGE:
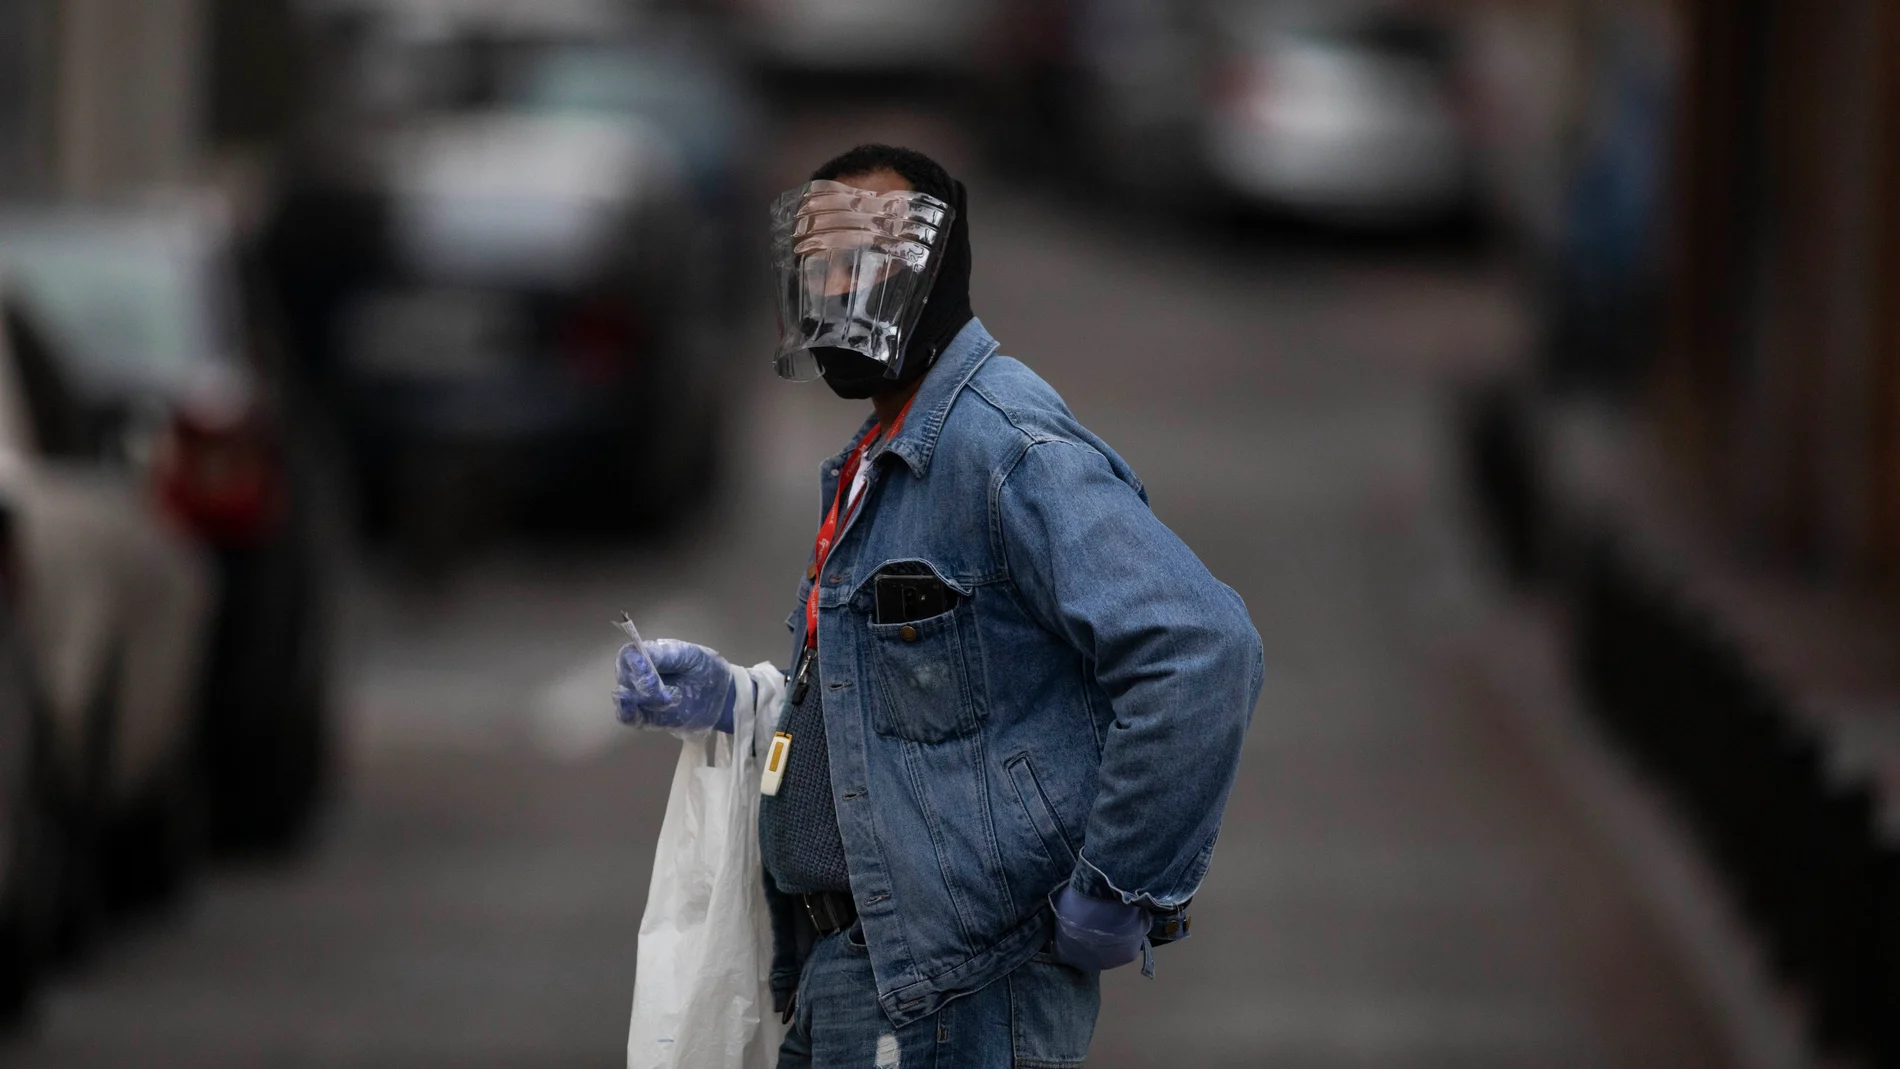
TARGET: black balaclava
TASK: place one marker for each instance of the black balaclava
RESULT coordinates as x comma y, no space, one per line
854,376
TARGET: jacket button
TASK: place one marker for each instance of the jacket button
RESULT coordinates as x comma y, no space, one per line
811,571
908,633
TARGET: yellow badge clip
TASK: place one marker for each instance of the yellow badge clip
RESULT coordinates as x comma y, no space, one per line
775,760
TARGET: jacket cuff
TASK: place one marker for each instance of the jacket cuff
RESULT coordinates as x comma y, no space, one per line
1171,927
1095,883
759,689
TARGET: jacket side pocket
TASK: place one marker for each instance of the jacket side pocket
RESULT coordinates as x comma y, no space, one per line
1042,816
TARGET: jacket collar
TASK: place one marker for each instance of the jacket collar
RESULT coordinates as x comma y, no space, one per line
917,439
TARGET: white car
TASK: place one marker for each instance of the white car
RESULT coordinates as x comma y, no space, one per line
1344,117
1339,111
113,603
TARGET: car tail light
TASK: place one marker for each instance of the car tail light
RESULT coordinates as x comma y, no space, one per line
222,478
600,339
1243,81
1230,84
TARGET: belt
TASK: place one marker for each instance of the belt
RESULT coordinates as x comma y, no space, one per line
830,911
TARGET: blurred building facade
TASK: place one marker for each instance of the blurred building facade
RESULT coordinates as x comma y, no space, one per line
1726,535
102,96
1781,379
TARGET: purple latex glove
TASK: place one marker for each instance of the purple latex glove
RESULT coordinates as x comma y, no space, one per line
1094,934
667,683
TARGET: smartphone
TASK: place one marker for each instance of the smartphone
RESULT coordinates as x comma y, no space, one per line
902,599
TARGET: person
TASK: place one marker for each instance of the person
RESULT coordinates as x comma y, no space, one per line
1017,699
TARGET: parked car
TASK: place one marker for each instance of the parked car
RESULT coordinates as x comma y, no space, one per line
113,603
1344,116
1341,112
181,383
507,254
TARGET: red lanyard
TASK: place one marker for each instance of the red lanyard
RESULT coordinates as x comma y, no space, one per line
828,531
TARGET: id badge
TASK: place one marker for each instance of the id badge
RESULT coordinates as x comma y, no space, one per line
775,761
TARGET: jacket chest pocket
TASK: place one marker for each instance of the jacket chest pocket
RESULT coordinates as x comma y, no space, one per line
930,674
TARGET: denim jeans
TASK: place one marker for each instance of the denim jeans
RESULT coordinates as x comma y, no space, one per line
1039,1016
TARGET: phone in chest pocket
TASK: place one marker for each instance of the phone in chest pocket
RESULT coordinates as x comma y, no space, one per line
903,599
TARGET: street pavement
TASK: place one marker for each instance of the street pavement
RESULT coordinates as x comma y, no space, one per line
1399,882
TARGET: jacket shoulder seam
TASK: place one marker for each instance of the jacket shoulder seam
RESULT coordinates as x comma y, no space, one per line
999,541
1009,414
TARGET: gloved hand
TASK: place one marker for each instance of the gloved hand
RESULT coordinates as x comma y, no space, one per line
674,684
1095,934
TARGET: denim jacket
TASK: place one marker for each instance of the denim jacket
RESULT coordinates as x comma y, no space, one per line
1076,717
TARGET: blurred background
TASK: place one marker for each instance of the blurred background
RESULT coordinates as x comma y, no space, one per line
1529,366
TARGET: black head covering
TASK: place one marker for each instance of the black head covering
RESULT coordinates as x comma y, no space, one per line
855,376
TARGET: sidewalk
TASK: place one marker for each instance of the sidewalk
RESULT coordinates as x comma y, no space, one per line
1403,879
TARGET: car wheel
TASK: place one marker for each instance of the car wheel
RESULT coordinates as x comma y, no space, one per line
74,858
272,805
435,510
303,743
152,850
26,891
74,847
267,725
142,855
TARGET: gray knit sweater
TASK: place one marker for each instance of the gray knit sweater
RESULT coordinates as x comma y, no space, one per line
798,827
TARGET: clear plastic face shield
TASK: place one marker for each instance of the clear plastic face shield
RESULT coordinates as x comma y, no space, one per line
853,269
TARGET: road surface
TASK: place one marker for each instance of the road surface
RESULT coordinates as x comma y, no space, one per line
1398,882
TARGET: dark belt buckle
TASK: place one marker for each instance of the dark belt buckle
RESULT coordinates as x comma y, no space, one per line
825,914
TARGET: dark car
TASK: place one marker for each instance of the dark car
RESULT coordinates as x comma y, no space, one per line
182,384
506,251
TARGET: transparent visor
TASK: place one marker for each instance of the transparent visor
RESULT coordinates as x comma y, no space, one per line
853,269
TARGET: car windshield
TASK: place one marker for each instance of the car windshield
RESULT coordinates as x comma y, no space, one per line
125,305
601,78
679,93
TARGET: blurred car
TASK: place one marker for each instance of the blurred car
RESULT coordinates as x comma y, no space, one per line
907,37
1340,112
1343,117
508,254
186,400
113,602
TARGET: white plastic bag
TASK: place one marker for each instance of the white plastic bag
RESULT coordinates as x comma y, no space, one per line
701,996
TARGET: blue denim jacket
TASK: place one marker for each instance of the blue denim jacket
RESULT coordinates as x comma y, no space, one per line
1076,717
